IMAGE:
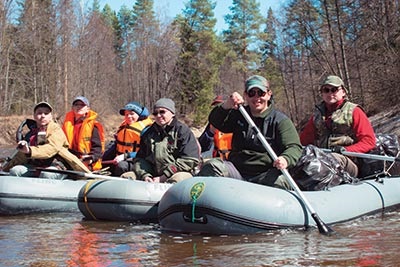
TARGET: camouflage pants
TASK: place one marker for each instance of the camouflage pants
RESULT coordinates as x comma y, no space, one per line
347,164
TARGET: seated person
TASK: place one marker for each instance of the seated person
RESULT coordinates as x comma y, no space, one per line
339,124
222,141
127,138
168,151
84,133
45,146
249,160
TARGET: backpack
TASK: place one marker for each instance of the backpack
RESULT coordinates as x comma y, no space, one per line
317,170
386,145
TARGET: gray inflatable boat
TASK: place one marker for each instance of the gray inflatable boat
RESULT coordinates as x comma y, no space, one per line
216,205
128,200
27,195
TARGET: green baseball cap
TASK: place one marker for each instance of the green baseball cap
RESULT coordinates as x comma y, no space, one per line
257,81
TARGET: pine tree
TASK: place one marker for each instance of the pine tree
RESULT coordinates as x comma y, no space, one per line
244,34
198,61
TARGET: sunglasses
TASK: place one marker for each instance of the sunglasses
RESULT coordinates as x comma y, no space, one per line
161,112
330,90
253,92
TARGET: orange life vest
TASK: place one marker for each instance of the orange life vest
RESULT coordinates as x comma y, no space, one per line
128,136
85,135
222,144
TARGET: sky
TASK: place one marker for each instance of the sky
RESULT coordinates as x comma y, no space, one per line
168,9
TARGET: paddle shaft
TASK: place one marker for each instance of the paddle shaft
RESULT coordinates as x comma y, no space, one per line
109,162
322,227
82,174
365,156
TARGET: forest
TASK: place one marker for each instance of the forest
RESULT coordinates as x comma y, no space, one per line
54,50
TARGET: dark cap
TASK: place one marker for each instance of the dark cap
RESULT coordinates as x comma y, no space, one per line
83,99
44,105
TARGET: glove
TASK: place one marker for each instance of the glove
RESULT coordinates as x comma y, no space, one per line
340,141
87,158
338,149
119,158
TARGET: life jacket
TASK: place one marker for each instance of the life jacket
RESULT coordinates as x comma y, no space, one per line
85,135
222,144
342,119
128,136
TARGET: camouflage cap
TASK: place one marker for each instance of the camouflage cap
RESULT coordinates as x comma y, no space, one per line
334,81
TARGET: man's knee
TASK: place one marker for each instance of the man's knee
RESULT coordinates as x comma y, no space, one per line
178,177
213,167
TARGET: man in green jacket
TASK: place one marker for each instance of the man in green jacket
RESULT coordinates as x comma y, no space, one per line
45,146
248,159
168,151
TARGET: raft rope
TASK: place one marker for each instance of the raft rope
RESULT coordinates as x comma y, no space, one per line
87,187
386,171
193,207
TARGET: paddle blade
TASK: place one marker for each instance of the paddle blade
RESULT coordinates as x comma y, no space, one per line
322,227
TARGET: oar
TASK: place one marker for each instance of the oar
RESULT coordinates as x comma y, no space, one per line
365,156
79,174
322,227
109,162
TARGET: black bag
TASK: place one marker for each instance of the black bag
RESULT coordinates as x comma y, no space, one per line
386,145
317,170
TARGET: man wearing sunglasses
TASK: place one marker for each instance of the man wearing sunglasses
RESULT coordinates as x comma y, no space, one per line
168,151
248,159
339,125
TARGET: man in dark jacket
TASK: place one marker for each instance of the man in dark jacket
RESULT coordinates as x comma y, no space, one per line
248,159
169,151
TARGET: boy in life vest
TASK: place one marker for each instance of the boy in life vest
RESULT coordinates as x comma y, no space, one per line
127,138
339,124
84,133
222,141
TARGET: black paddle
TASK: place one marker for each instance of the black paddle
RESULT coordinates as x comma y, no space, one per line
78,174
322,227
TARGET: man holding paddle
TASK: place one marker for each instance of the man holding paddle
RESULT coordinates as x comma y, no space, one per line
339,124
45,146
249,159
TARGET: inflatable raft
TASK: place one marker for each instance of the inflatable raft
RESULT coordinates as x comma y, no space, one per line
215,205
128,200
25,195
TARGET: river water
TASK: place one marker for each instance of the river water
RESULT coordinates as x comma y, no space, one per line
67,239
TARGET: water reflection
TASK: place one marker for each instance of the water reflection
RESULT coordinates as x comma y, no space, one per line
67,240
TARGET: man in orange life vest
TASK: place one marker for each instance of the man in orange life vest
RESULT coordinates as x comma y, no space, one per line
127,138
222,141
84,133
